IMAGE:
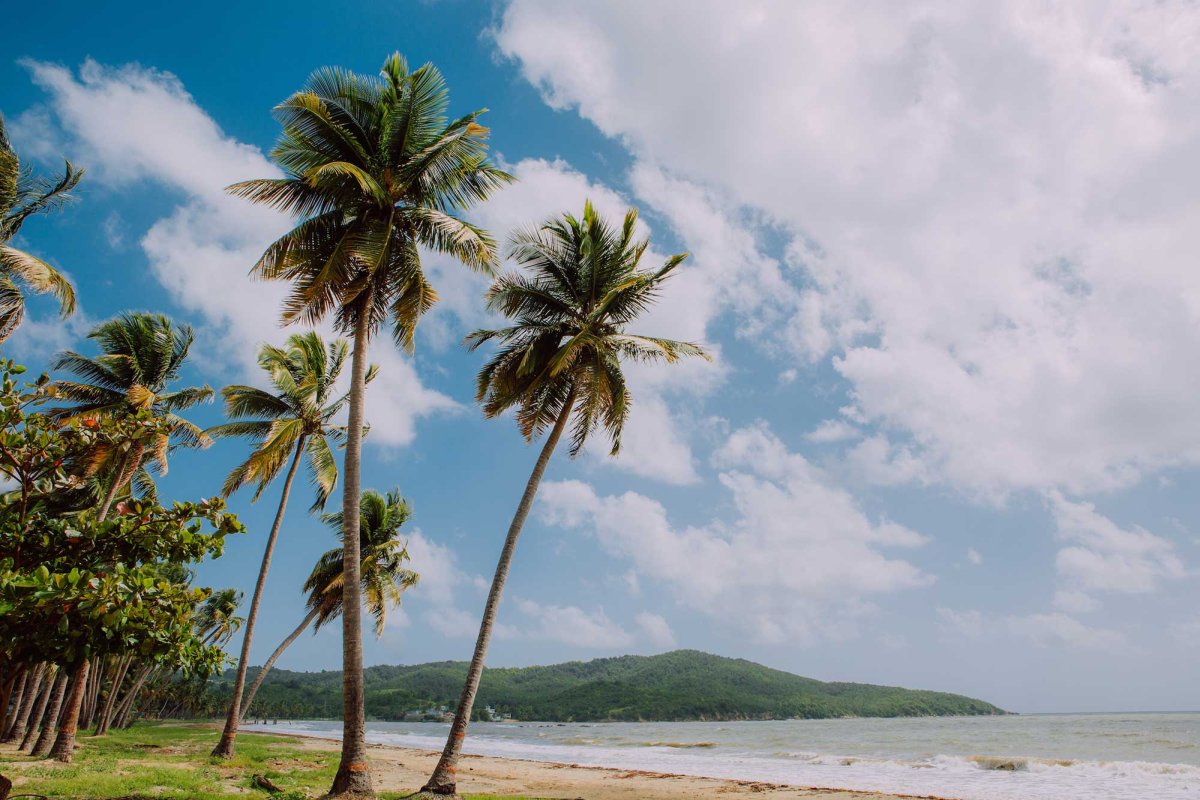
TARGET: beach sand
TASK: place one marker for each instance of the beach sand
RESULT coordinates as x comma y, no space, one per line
399,768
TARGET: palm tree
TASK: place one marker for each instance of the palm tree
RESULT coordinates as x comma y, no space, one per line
23,194
295,419
141,354
375,171
216,620
383,574
560,357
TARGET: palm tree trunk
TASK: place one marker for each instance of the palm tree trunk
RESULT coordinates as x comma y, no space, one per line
91,697
444,778
262,673
50,727
224,748
16,696
353,777
64,745
110,699
131,696
32,686
124,474
39,711
6,695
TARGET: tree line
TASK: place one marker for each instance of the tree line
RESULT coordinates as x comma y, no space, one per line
375,171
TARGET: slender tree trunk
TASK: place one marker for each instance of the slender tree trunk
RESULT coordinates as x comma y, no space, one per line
91,698
32,686
6,694
119,480
39,711
50,727
353,777
262,673
110,700
64,745
444,778
131,696
224,748
10,711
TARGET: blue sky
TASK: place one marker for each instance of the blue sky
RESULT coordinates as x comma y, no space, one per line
943,256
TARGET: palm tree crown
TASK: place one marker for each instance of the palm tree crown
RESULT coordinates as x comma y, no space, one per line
23,194
580,287
303,375
383,556
375,169
216,619
140,355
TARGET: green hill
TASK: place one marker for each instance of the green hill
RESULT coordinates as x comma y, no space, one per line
680,685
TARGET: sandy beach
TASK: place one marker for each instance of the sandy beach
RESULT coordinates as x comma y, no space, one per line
400,768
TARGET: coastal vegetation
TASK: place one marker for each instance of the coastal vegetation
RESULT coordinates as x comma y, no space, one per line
676,686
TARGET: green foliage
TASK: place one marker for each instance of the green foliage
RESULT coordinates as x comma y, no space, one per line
300,411
101,588
73,586
383,559
680,685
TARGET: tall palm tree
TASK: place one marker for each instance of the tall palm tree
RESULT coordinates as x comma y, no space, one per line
375,171
294,419
23,194
383,573
140,355
560,358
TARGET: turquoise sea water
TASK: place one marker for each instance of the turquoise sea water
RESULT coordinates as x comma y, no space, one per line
1028,757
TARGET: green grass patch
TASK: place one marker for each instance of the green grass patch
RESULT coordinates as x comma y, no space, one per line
172,762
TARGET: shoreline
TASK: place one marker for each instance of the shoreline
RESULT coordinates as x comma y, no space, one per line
397,768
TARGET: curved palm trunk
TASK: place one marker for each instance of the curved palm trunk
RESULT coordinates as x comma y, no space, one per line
444,778
91,696
262,673
224,748
6,692
64,745
110,700
16,731
16,696
39,711
50,727
126,706
128,467
353,777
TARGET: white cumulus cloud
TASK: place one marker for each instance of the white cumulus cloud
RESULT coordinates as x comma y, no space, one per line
799,562
990,231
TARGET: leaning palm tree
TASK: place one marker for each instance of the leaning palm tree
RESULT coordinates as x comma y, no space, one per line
23,194
383,573
375,171
561,358
140,355
295,419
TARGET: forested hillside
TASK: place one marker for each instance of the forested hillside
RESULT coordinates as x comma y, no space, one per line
680,685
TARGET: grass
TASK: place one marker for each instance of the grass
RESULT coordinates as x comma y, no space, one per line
172,762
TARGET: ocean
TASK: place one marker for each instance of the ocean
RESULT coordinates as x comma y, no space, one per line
1026,757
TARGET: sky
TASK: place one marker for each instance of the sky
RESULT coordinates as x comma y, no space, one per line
943,254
